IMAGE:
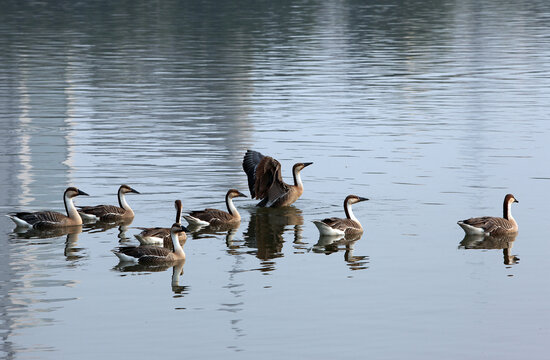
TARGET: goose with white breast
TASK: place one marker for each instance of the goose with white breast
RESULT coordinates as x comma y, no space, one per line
490,225
150,255
110,213
43,220
349,226
215,217
265,180
160,235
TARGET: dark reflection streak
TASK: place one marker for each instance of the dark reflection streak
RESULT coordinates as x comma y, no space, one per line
99,227
177,272
492,242
265,232
330,244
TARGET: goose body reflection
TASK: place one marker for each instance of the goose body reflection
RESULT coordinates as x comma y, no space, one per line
110,213
160,235
266,183
43,220
215,217
493,225
504,242
154,254
342,227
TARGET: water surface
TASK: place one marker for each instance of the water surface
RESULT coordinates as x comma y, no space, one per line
433,111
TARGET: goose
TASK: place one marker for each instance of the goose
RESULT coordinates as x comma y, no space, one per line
266,183
160,235
110,213
349,226
488,225
154,254
214,217
43,220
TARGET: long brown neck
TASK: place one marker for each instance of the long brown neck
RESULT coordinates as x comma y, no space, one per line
178,214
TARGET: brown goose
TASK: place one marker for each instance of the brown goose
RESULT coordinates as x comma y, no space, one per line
489,225
342,227
266,183
160,235
51,219
110,213
215,217
154,254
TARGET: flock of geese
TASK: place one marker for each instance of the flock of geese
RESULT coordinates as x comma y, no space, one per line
265,184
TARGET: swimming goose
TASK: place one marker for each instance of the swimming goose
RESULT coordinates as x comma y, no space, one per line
266,183
110,213
154,254
489,225
50,219
215,217
160,235
342,227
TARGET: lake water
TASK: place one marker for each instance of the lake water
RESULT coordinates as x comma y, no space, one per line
432,110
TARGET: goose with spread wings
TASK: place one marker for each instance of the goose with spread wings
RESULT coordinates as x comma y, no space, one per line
266,183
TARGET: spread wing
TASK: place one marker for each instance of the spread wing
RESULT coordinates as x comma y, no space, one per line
250,163
104,212
41,218
264,178
342,224
210,215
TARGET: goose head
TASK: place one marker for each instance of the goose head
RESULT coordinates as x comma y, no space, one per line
71,192
509,199
233,193
125,189
300,166
353,199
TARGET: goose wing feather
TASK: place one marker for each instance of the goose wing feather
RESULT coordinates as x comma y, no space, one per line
341,224
104,212
491,224
210,215
140,251
41,218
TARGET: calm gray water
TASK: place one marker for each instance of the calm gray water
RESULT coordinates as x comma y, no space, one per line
433,110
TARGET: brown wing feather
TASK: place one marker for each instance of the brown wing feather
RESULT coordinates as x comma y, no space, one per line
139,251
104,212
210,215
155,232
492,225
342,224
42,219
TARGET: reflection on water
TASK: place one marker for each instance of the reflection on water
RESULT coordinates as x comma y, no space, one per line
331,244
177,273
504,242
101,226
427,105
266,229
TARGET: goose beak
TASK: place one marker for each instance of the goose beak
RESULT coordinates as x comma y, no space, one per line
241,195
307,164
80,192
134,191
183,228
361,199
516,200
